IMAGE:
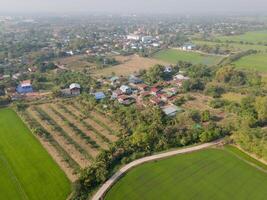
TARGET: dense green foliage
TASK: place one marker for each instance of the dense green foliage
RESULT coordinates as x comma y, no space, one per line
24,164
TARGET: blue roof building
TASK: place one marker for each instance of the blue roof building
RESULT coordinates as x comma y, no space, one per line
100,95
24,87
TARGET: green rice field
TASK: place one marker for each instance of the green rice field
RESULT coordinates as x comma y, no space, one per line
252,37
219,174
173,56
256,62
27,172
234,47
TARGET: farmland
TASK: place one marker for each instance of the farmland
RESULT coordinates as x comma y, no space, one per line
234,47
24,164
222,173
76,138
257,62
173,56
129,65
254,37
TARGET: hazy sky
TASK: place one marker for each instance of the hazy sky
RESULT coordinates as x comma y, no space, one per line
134,6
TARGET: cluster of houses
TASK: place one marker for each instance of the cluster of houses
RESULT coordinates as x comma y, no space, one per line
134,90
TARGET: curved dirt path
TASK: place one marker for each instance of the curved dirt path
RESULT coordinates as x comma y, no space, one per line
107,185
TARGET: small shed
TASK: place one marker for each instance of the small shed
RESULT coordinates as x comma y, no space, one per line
171,110
99,96
75,89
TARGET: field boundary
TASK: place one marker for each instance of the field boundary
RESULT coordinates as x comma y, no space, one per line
99,195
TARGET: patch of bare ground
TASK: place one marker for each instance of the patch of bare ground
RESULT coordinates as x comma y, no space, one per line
75,121
64,125
129,65
92,123
69,148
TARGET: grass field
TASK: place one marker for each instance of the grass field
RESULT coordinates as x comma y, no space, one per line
173,56
27,171
219,174
252,36
257,62
234,47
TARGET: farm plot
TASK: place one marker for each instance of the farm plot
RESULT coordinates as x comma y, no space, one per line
129,65
174,55
255,37
256,62
27,171
76,138
219,174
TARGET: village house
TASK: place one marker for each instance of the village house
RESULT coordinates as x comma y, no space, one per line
155,90
126,100
142,87
135,80
24,87
75,89
171,110
126,89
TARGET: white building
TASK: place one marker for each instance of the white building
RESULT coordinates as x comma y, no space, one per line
133,37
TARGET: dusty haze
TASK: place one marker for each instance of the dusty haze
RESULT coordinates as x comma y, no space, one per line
134,6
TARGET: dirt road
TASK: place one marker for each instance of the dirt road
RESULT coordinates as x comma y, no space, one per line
105,187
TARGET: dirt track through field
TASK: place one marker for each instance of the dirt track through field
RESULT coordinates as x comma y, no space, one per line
72,151
75,121
71,133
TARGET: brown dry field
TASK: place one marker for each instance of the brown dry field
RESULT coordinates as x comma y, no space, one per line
74,62
129,65
91,151
69,148
76,122
92,123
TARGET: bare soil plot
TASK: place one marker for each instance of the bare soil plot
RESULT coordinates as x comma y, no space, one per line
74,62
74,154
70,132
75,121
129,65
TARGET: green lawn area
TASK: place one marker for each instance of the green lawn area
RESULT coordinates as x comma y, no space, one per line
252,36
218,174
173,56
257,62
27,171
232,46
